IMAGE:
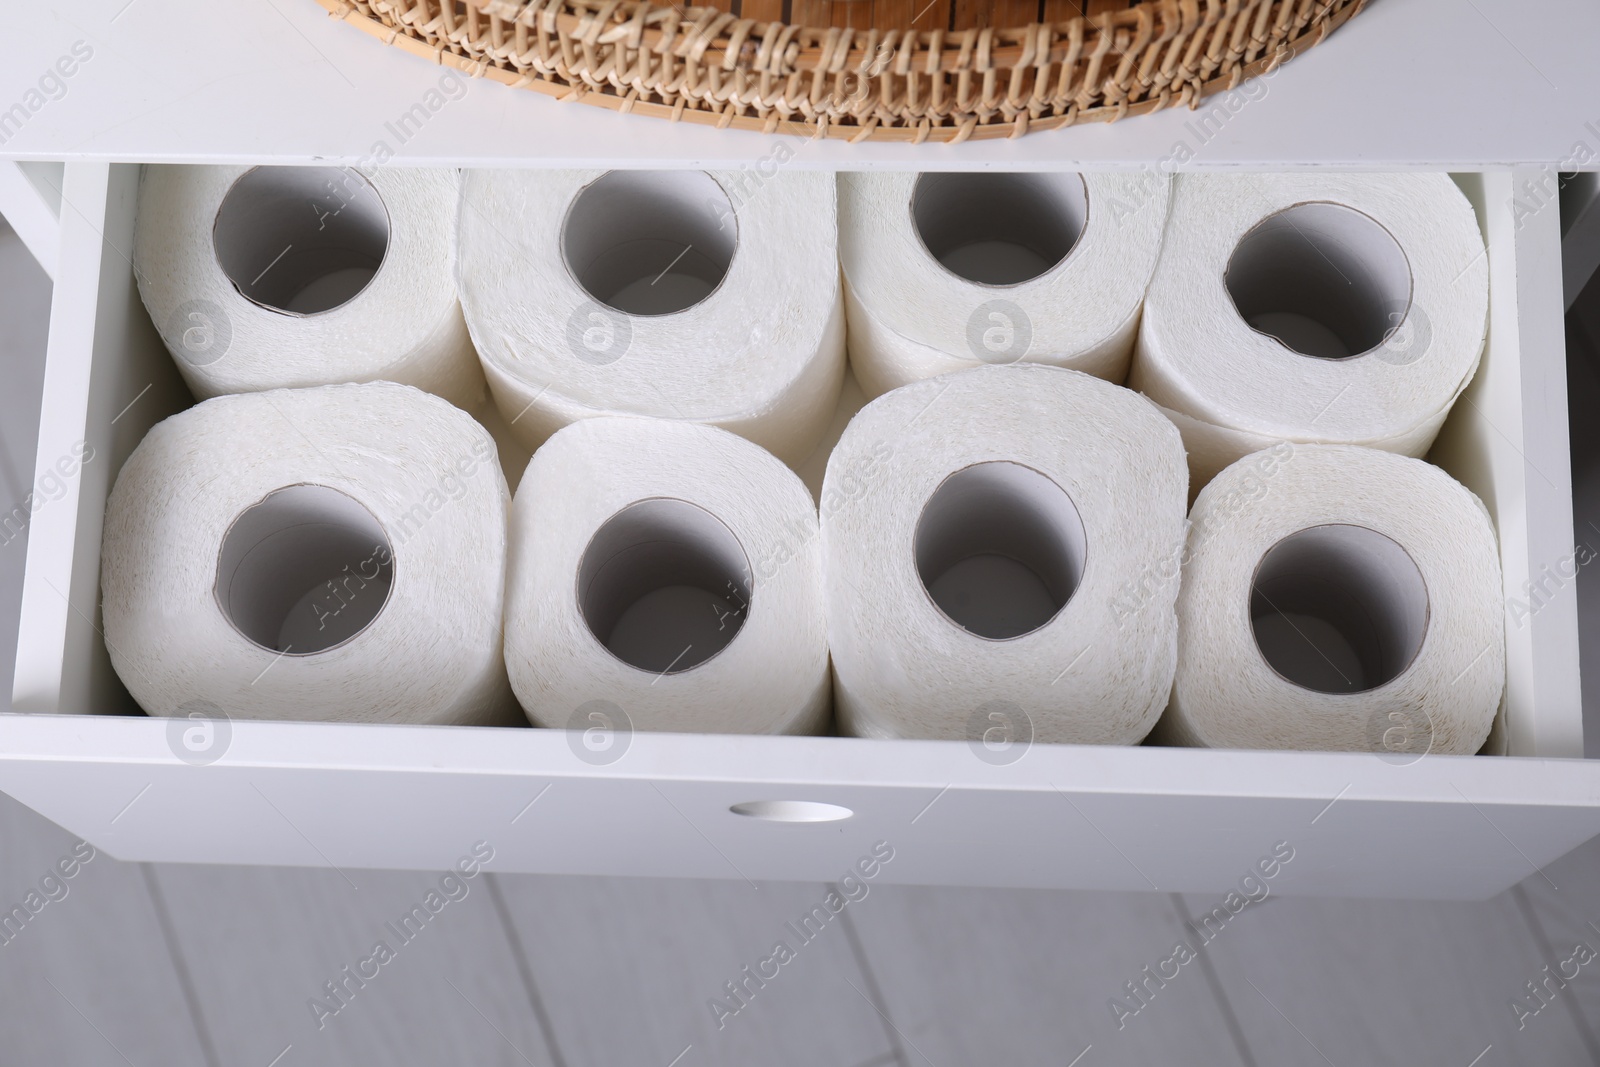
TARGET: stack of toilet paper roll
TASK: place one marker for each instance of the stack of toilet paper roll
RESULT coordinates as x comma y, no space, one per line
682,295
1313,308
944,272
334,553
995,540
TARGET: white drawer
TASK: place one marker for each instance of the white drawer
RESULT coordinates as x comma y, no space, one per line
1059,816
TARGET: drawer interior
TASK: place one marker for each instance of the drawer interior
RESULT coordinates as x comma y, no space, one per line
1185,813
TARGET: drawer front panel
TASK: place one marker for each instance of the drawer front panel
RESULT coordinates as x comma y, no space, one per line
1138,819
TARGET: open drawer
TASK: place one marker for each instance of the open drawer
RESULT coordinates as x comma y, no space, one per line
1141,818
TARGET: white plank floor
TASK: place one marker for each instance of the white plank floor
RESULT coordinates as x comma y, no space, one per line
629,969
171,966
260,951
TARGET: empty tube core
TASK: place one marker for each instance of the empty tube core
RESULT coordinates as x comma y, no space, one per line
664,585
304,570
1000,549
301,240
1338,608
1323,280
650,242
999,229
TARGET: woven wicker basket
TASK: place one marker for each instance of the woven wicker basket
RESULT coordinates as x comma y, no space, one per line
895,70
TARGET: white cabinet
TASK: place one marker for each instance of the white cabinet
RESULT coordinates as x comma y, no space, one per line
1058,816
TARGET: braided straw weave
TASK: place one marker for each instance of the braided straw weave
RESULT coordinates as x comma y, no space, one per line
892,70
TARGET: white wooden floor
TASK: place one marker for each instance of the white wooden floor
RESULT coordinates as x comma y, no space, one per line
170,966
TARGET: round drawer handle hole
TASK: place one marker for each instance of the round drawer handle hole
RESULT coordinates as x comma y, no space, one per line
792,811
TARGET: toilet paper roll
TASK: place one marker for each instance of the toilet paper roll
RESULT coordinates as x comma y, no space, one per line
1318,308
282,277
666,575
944,272
711,298
327,553
1338,598
983,534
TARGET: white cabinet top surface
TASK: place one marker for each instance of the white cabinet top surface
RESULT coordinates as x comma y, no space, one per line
1437,83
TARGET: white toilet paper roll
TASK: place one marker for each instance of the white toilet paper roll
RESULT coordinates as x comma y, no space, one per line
669,574
327,553
944,272
681,295
1338,598
283,277
979,532
1320,308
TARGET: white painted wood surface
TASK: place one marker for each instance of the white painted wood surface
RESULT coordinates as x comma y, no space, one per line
32,206
1320,981
623,967
960,967
262,944
62,1000
24,322
661,952
120,397
1563,908
1458,83
88,979
1519,395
